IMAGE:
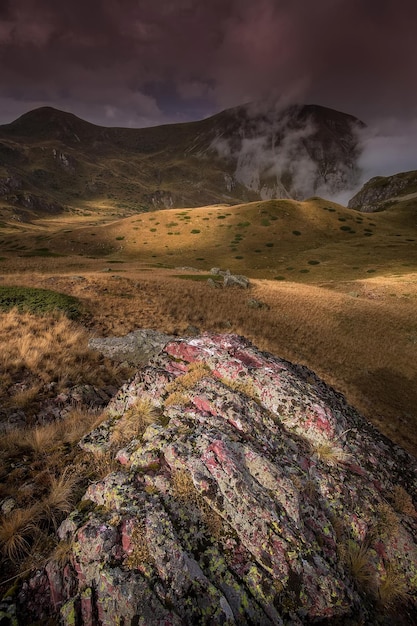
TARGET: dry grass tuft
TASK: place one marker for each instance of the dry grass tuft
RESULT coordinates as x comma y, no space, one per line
356,557
211,519
17,529
393,588
387,523
42,439
195,372
25,397
176,398
78,423
183,486
100,464
331,454
60,498
39,350
402,501
140,552
62,552
242,385
134,422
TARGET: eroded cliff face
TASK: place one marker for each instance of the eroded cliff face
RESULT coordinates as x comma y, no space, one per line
239,489
382,191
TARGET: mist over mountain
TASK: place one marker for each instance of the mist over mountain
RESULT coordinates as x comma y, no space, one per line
52,160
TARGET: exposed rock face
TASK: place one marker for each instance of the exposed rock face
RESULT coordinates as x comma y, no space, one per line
381,191
295,152
136,348
256,495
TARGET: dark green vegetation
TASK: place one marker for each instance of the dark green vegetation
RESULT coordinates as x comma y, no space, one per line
38,301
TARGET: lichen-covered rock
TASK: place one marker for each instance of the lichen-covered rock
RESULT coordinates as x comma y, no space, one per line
256,495
136,348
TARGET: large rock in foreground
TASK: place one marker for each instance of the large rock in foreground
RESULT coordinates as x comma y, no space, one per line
246,492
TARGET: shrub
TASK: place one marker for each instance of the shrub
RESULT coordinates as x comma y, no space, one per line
38,301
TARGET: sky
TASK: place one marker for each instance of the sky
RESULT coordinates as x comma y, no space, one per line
144,62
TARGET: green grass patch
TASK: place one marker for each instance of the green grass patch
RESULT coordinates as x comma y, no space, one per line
296,233
312,262
195,231
38,301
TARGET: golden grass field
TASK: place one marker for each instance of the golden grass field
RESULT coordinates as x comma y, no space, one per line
339,286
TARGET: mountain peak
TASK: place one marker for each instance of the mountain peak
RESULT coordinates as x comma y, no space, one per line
49,123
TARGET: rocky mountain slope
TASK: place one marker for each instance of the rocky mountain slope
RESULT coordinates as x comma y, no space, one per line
382,192
51,160
245,491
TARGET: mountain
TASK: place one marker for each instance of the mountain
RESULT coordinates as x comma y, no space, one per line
51,160
383,192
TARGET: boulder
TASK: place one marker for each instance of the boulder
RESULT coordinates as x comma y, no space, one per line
255,496
136,348
229,279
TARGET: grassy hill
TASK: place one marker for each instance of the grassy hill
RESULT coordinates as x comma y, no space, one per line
311,241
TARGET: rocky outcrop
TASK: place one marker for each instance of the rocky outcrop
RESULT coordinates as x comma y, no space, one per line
247,492
136,348
380,192
229,279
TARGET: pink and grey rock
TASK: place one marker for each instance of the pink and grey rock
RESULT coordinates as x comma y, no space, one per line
243,504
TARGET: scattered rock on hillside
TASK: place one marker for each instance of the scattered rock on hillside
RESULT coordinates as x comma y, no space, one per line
136,348
253,303
256,495
229,279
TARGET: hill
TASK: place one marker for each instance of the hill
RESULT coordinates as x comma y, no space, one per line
383,192
311,241
52,161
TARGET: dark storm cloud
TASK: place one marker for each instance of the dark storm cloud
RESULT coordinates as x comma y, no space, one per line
134,62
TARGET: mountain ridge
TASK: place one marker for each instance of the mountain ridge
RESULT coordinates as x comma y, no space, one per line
54,158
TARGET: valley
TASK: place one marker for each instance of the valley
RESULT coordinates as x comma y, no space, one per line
334,289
